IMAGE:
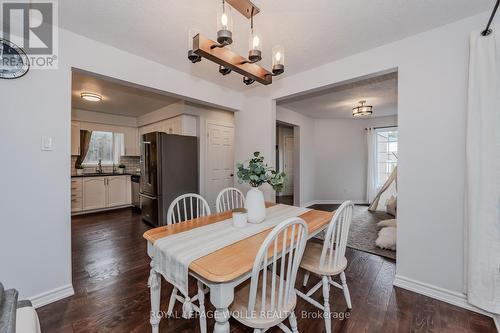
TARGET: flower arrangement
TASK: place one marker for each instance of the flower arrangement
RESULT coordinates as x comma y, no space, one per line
258,173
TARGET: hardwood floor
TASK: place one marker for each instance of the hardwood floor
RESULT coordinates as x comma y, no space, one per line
285,199
111,269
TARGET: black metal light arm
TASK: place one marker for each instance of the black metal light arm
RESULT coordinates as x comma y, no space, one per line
488,31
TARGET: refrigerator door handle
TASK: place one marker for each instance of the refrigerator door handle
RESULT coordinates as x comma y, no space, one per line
147,196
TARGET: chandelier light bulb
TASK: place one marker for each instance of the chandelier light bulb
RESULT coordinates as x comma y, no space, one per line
223,20
278,56
256,43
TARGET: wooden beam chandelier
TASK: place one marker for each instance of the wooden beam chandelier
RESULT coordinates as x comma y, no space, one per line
228,61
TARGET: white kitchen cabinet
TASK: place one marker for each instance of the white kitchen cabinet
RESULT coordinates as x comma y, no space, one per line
180,125
75,138
94,193
76,194
118,188
131,141
105,192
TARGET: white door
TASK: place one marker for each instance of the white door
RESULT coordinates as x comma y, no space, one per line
94,193
288,165
118,191
219,160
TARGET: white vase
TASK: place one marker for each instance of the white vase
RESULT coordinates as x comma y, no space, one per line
255,205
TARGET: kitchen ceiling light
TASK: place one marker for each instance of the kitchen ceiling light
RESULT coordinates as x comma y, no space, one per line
91,97
362,110
217,51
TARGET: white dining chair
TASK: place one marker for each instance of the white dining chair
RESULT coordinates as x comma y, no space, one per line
269,299
329,260
186,207
228,199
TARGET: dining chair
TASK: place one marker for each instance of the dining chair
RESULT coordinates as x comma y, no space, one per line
228,199
327,260
186,207
270,296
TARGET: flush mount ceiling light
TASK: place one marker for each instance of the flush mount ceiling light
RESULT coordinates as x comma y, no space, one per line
217,51
362,110
91,97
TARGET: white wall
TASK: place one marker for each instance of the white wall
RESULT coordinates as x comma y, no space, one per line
255,128
35,243
432,69
341,157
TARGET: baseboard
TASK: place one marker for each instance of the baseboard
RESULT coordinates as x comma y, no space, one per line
83,212
52,296
331,202
448,296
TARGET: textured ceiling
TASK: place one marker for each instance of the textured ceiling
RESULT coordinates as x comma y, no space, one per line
313,32
117,98
381,92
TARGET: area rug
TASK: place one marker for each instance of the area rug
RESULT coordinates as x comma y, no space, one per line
364,230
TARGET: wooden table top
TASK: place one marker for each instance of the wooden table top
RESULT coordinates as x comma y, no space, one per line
232,261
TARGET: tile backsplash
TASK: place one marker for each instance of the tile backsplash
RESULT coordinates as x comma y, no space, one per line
132,164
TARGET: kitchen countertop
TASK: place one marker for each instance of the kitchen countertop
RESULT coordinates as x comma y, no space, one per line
105,174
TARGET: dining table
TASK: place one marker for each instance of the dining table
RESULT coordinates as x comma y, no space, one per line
222,270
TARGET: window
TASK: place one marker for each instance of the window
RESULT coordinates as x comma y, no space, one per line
104,146
387,153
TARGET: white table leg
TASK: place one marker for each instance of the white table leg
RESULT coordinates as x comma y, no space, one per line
201,300
155,291
221,296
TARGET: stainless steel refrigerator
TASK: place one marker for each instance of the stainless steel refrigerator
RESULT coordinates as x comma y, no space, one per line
169,168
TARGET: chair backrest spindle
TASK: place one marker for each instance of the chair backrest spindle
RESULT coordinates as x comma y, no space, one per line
286,242
187,207
228,199
335,242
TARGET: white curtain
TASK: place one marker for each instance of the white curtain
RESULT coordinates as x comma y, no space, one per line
371,176
483,172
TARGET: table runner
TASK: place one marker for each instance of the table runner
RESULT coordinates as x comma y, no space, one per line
173,254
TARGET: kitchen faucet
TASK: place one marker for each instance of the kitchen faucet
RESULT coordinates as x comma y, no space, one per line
99,167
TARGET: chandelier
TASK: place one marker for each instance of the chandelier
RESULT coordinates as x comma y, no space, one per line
228,60
362,110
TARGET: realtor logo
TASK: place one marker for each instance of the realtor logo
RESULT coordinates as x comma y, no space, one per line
32,26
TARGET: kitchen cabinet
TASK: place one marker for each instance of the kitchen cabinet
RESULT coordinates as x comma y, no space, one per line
94,193
75,138
105,192
119,191
131,142
76,195
180,125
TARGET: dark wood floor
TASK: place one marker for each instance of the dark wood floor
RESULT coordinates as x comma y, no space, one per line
285,199
111,268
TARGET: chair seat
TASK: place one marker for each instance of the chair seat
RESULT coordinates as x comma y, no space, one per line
260,318
311,258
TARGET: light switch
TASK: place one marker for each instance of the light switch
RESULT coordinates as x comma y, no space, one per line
47,143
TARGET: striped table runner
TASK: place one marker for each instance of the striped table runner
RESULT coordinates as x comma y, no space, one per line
173,254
